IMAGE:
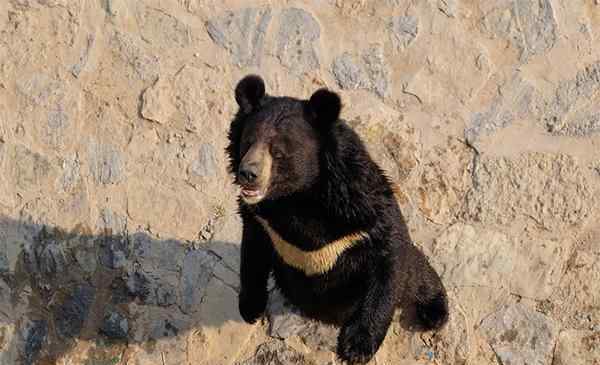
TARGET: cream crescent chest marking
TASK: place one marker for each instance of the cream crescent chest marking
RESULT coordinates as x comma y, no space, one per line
312,262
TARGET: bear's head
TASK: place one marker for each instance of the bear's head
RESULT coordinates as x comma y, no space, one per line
275,142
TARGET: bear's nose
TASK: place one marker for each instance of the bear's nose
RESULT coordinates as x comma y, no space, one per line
247,174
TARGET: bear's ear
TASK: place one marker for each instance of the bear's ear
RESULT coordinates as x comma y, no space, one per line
249,92
324,107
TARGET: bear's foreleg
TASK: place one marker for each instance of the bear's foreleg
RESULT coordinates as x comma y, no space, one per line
365,330
255,266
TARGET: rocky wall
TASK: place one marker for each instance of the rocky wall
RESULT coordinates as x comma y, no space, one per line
119,240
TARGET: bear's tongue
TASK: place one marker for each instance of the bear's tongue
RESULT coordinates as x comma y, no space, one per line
250,192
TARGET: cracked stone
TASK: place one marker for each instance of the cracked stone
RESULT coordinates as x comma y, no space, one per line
448,7
58,123
156,102
276,353
551,189
572,110
28,169
516,100
242,33
297,39
41,89
469,256
206,164
403,31
198,267
145,65
34,335
577,347
111,222
366,71
83,59
163,29
115,325
520,336
70,316
530,26
71,172
106,163
286,321
113,251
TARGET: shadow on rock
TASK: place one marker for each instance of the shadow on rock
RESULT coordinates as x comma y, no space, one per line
57,287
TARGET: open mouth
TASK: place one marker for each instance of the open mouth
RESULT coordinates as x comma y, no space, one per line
250,192
252,195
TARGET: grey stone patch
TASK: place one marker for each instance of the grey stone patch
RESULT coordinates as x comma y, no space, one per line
567,100
276,353
33,334
113,252
138,286
578,127
115,325
29,168
106,163
45,257
365,71
51,259
297,39
516,100
155,276
519,335
165,294
111,222
163,29
403,30
241,33
40,89
166,256
206,164
83,59
119,291
530,26
71,175
58,122
145,65
70,316
86,258
448,7
286,321
198,268
4,264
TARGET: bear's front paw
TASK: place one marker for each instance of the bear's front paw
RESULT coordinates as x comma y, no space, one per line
251,307
356,344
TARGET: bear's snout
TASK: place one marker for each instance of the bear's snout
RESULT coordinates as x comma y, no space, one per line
248,174
254,173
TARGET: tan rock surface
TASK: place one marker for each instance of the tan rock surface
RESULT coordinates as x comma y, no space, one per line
119,237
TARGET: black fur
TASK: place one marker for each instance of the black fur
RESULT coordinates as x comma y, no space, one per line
249,92
336,189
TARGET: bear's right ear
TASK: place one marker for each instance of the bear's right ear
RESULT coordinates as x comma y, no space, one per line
249,92
324,107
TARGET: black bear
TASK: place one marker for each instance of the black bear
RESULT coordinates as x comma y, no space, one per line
321,215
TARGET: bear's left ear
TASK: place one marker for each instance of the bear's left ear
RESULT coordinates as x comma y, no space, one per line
324,108
249,92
